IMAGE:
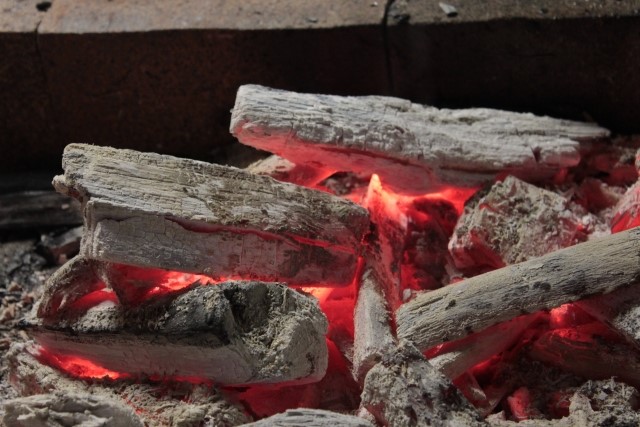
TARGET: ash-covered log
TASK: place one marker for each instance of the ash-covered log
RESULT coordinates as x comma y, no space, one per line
69,409
373,332
412,147
174,404
159,211
405,390
233,333
596,267
311,418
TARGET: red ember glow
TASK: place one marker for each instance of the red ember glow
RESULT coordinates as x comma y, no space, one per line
77,366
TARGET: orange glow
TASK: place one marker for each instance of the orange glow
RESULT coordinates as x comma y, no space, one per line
94,298
76,366
321,294
173,281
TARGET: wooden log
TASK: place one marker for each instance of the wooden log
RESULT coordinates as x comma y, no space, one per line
405,390
412,147
234,333
373,333
595,267
311,418
152,210
58,409
37,209
171,405
620,310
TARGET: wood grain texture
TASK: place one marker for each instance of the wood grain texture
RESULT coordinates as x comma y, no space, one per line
373,333
233,333
411,147
153,210
570,274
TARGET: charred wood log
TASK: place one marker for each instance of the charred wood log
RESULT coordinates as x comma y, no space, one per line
405,390
233,333
412,147
159,211
373,333
311,418
595,267
171,405
38,209
69,409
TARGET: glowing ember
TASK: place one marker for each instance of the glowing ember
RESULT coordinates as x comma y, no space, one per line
77,366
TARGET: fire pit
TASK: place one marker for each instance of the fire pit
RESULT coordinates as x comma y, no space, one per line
389,264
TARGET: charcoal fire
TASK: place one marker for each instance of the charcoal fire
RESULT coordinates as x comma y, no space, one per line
398,265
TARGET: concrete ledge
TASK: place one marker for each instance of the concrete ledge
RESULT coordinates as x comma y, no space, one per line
162,75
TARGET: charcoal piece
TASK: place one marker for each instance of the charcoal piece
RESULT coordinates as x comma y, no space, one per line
69,409
311,418
595,267
174,404
412,147
513,222
61,247
626,214
373,332
234,333
38,209
405,390
159,211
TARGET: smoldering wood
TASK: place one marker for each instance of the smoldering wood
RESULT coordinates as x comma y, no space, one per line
626,213
620,310
234,333
373,333
412,147
596,403
405,390
159,211
38,209
512,222
56,409
596,267
459,356
311,418
586,353
283,170
182,404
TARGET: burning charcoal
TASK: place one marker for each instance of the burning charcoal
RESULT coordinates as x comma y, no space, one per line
513,222
159,211
69,409
372,324
456,357
570,274
283,170
627,212
170,405
233,333
596,403
405,390
591,351
412,147
311,418
611,160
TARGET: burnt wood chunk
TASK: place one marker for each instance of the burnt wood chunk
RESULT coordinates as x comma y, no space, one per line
233,333
596,267
311,418
159,211
620,310
58,409
174,404
411,147
37,209
373,333
405,390
514,221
